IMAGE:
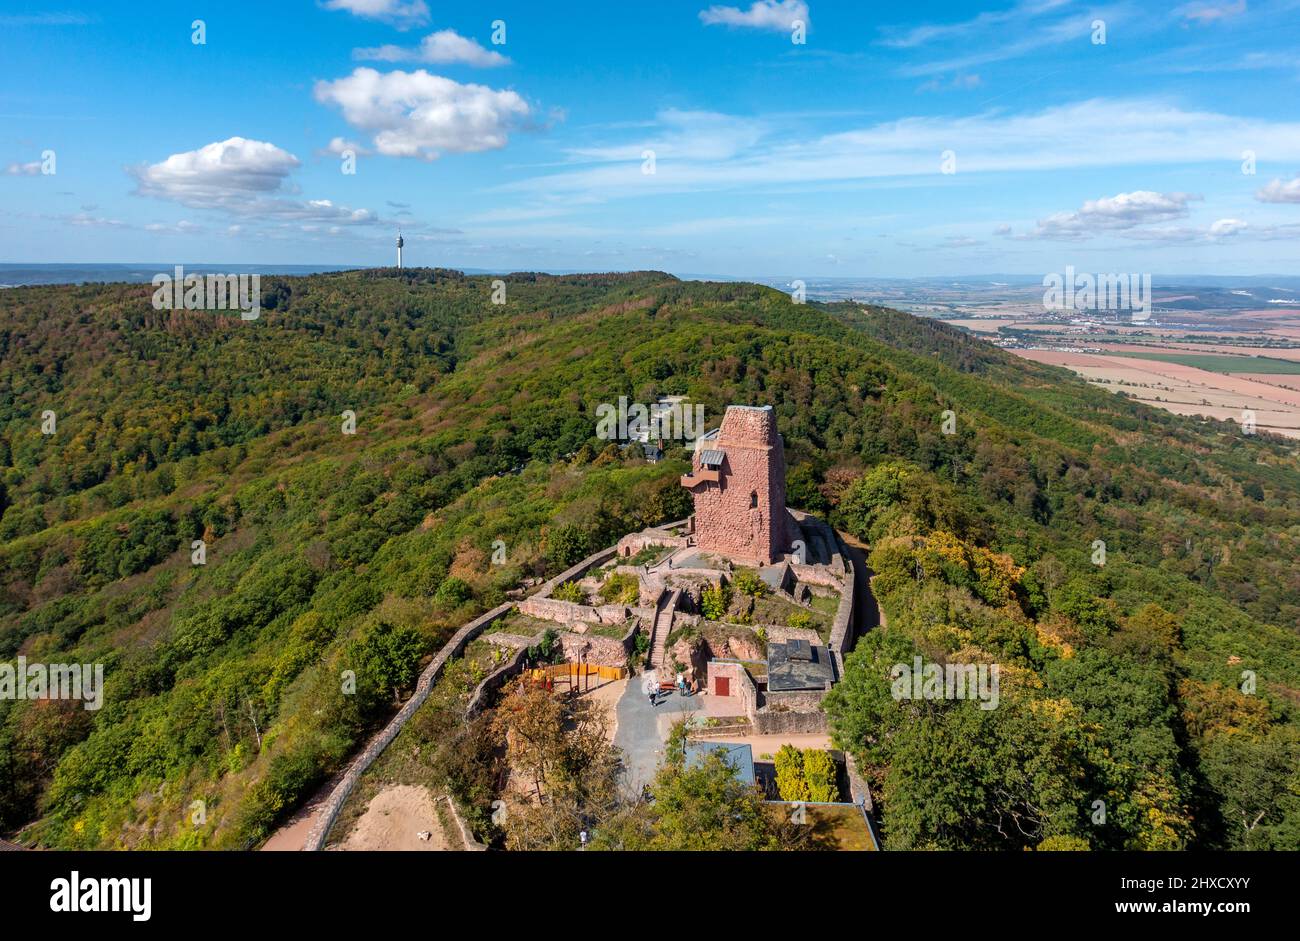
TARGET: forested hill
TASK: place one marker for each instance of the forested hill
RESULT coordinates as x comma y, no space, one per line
1123,682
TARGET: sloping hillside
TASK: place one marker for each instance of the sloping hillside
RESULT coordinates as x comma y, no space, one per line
475,422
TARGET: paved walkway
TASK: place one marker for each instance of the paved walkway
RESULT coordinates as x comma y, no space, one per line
643,729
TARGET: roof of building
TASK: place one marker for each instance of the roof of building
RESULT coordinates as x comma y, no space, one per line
796,665
712,457
774,575
739,756
5,845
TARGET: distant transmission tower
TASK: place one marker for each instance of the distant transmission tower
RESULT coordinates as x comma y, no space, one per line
400,243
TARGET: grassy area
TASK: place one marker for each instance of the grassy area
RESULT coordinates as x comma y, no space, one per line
518,623
827,605
648,556
1221,363
615,631
835,827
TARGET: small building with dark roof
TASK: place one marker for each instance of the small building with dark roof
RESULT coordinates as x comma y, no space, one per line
797,665
740,757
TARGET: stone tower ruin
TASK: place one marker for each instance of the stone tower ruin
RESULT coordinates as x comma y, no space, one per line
738,484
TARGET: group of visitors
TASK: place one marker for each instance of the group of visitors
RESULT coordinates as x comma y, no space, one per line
650,686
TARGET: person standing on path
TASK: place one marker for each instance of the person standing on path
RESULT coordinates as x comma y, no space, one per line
650,686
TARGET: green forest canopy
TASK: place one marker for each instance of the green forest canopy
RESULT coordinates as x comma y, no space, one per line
475,422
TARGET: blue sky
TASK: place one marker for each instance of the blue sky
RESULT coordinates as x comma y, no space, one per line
771,157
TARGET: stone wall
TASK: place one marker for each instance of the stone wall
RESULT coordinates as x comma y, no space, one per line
766,722
466,834
633,543
842,627
779,634
569,612
799,700
497,679
374,748
598,650
453,648
741,684
817,575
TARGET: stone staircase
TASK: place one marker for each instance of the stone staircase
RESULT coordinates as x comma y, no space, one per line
663,625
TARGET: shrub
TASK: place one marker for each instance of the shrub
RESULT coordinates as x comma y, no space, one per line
621,588
791,781
569,591
453,592
801,619
747,582
819,773
549,650
566,546
714,602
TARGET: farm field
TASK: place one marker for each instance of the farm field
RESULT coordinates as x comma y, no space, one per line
1214,362
1184,389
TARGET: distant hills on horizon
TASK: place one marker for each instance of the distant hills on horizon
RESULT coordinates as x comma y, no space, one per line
25,274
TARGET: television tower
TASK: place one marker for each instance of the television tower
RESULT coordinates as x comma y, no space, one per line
400,243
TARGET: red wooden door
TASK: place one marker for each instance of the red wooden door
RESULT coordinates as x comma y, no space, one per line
722,686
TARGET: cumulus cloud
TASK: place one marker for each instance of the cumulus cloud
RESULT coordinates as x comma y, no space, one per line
240,176
24,169
776,15
1111,213
226,170
338,146
400,13
1226,227
1280,191
445,47
416,114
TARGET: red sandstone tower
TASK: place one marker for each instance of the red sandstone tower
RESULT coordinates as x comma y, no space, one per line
738,482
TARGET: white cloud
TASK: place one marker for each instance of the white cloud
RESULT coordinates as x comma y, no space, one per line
183,227
1206,13
415,114
338,146
927,33
1094,133
445,47
85,220
243,177
400,13
1280,191
778,15
682,135
1111,213
1010,42
24,169
1227,227
215,173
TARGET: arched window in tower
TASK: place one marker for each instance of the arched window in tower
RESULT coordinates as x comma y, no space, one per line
753,499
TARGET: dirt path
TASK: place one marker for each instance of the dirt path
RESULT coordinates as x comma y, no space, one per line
608,695
395,818
292,836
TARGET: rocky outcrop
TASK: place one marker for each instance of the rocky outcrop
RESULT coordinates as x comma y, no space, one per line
744,648
693,656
